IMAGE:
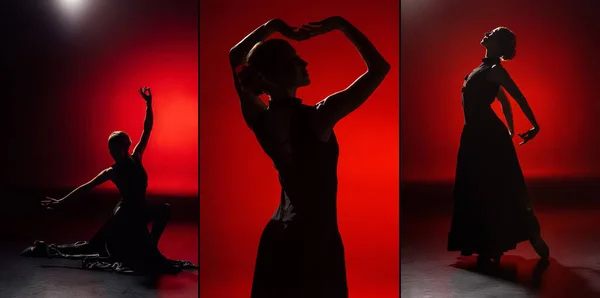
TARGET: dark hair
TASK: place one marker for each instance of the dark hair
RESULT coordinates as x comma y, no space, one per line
507,42
118,141
268,59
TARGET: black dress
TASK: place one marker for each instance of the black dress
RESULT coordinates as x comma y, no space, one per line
123,243
492,212
300,252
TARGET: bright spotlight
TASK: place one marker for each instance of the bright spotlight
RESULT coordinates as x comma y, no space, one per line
72,8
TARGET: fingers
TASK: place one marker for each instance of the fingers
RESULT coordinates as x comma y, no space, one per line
49,201
299,34
145,91
290,28
312,27
313,30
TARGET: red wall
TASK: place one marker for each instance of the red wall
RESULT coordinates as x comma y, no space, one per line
553,68
116,50
239,187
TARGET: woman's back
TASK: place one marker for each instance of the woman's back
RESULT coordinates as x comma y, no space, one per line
131,179
307,166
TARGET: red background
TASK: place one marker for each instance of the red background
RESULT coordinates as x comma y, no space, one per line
82,78
239,190
554,68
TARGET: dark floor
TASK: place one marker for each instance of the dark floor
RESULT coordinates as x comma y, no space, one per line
569,214
22,222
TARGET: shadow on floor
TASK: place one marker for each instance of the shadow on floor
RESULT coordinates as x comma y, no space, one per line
546,279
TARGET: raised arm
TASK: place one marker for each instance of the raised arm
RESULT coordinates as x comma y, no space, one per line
138,151
499,75
342,103
506,110
251,104
84,188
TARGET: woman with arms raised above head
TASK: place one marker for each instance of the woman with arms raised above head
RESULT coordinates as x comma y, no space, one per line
300,252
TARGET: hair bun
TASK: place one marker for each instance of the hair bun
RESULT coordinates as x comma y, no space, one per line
248,78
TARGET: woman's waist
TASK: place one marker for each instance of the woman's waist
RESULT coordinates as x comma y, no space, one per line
483,118
307,222
306,213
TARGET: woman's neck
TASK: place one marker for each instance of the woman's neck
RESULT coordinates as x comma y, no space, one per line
283,95
491,54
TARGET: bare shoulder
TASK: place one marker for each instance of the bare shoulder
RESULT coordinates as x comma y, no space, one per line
498,68
498,74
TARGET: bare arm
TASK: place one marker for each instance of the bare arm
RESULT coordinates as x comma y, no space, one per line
84,188
251,104
342,103
499,75
138,151
506,110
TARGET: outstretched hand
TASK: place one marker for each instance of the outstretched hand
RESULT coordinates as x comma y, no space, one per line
529,135
146,94
51,203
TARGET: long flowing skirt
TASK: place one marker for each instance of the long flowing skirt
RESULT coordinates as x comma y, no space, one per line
492,212
123,244
295,260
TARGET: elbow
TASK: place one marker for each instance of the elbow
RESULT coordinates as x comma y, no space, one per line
381,68
385,67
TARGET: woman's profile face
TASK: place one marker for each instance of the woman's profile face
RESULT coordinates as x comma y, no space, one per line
293,72
488,38
298,72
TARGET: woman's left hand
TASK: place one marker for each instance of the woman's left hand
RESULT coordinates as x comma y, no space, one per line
529,135
50,203
293,33
324,26
146,94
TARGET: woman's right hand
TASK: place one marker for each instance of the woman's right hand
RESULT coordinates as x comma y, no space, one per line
294,33
529,135
51,203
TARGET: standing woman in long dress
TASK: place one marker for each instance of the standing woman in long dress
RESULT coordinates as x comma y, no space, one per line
300,252
492,212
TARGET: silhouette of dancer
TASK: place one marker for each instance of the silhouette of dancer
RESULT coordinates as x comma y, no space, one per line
492,212
300,252
124,243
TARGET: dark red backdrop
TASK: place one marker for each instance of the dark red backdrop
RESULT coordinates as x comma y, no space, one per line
554,67
239,190
77,84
